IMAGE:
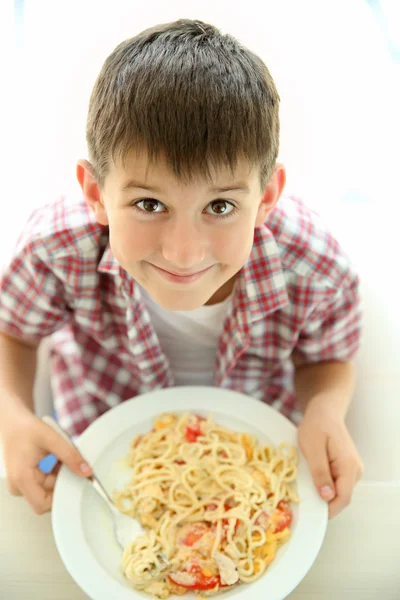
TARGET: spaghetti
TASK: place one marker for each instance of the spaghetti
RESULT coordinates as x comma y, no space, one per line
213,501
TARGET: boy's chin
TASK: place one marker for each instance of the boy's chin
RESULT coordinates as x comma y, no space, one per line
179,300
184,299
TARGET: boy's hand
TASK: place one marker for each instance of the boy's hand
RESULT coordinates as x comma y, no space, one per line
335,464
25,443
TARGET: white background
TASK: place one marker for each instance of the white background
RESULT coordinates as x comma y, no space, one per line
340,98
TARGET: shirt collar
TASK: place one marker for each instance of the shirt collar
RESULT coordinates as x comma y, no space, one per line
261,286
108,262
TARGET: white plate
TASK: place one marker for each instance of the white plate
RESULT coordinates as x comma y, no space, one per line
82,524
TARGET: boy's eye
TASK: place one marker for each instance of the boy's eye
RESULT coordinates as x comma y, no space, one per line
219,207
150,206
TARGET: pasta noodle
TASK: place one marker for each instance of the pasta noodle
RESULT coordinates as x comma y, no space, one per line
213,501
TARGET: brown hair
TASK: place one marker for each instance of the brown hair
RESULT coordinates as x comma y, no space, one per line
187,91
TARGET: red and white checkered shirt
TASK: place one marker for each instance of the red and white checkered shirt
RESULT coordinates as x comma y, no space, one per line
296,291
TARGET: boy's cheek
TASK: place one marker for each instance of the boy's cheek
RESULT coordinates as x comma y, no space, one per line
131,243
235,243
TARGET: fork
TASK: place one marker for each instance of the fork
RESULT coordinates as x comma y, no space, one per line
126,528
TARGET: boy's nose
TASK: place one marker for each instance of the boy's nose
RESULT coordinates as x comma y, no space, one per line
184,246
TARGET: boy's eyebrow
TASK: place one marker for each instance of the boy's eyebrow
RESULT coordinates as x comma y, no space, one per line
132,184
233,187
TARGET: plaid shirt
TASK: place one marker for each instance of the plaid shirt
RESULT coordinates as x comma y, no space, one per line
296,291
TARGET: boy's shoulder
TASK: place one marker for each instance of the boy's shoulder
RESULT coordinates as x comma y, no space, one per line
307,248
63,227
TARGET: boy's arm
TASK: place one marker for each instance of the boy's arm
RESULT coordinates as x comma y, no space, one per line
17,375
324,391
26,439
328,385
33,304
324,383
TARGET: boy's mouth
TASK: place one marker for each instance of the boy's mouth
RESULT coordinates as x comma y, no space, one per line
180,277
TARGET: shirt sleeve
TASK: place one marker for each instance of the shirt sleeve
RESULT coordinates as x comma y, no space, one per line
332,331
32,299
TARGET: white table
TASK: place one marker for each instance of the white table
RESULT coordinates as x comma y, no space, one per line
360,558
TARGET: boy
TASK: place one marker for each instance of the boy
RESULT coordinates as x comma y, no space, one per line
178,265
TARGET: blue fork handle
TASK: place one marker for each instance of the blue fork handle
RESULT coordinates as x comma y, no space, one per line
48,463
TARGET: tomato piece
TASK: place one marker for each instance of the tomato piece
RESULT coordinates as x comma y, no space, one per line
193,431
194,534
285,516
199,580
191,434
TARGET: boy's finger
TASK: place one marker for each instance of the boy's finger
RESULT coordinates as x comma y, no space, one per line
344,490
39,498
316,454
46,481
50,482
41,477
66,453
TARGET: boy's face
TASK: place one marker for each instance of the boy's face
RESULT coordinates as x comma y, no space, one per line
184,243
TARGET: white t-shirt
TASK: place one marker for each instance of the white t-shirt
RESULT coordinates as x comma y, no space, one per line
189,338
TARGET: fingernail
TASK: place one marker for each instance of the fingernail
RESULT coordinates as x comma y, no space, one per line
85,468
327,492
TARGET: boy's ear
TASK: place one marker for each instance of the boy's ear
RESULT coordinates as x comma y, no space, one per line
91,191
271,194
